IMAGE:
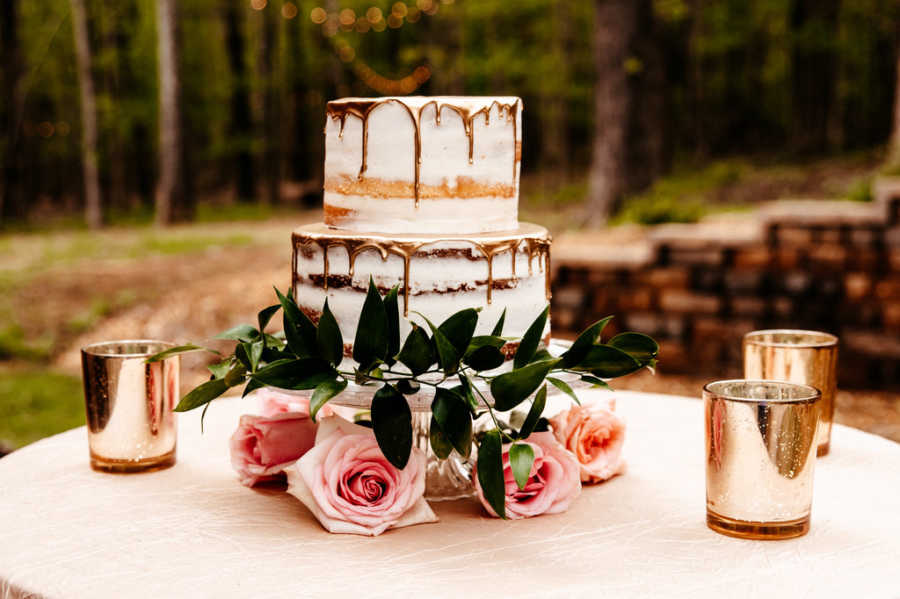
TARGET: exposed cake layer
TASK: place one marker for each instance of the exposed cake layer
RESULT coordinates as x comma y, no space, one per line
399,165
436,275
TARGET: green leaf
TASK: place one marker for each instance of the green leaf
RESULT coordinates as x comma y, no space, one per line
452,414
534,414
511,388
329,340
490,472
417,353
486,357
256,350
564,387
303,373
447,356
181,349
459,328
236,375
242,353
637,345
242,332
485,340
220,369
521,458
392,311
465,389
531,339
595,381
392,423
202,395
408,386
251,386
448,359
441,447
265,315
498,328
585,341
324,391
299,330
608,362
541,355
371,340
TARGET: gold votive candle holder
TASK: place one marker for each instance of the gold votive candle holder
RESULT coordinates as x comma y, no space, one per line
796,356
760,457
129,404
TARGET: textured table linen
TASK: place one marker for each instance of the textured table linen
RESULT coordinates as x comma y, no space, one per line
193,531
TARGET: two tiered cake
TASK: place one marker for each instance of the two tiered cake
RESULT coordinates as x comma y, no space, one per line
422,193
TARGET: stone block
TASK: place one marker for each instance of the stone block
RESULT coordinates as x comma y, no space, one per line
830,235
865,237
675,357
682,301
796,282
888,289
828,256
743,281
704,256
601,276
748,306
788,258
891,316
801,236
636,299
752,258
648,323
568,297
865,258
857,286
783,307
665,277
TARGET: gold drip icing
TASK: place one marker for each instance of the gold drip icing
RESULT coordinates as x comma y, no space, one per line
536,239
338,110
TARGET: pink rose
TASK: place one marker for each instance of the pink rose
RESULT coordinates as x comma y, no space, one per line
552,484
595,434
350,487
272,401
262,447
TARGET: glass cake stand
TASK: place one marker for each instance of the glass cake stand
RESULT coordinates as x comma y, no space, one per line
449,478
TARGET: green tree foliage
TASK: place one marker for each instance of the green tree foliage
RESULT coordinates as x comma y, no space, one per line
736,80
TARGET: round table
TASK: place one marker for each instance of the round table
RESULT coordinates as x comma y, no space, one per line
193,531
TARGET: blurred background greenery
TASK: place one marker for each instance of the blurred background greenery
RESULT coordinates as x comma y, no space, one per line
636,111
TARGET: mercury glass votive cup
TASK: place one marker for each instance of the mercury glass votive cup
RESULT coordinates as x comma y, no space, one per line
760,457
129,402
806,357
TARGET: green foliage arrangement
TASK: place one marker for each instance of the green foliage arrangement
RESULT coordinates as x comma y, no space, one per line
447,357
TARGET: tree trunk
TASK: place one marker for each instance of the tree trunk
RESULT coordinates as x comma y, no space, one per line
615,28
92,209
894,153
241,119
813,65
553,104
11,196
271,135
172,203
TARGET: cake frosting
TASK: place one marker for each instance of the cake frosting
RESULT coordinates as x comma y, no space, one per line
425,164
421,193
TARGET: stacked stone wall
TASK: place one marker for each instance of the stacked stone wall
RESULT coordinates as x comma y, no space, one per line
831,266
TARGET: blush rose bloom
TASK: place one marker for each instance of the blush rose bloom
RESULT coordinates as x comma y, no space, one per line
350,487
272,402
595,434
553,483
263,446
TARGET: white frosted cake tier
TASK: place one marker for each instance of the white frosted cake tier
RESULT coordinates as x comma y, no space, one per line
441,164
437,275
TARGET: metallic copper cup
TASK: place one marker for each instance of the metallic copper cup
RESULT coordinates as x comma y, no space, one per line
129,403
805,357
760,457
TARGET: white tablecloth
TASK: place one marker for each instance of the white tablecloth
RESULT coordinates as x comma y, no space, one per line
193,531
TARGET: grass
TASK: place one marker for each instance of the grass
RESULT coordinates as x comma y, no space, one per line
36,403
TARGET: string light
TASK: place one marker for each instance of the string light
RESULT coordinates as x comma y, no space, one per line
400,9
258,4
347,17
289,10
318,15
373,15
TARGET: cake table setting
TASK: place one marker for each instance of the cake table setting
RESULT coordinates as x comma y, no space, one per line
401,421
